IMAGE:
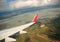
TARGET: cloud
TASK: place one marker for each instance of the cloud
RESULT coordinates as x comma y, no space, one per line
23,3
20,4
16,4
55,1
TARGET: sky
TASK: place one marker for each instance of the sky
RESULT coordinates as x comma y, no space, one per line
6,5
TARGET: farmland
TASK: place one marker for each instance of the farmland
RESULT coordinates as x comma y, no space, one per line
37,33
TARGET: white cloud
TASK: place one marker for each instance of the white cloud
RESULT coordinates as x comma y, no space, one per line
16,4
19,4
22,3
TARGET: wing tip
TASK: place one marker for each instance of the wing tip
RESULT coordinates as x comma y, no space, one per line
35,18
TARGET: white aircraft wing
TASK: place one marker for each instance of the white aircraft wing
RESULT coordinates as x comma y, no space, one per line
8,32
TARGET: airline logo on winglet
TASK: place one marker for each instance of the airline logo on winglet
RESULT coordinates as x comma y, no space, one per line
35,18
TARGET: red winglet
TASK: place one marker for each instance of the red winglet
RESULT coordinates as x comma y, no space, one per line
35,18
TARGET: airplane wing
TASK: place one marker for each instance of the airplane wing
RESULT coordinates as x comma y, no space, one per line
8,32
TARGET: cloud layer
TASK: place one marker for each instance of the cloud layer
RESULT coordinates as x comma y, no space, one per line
16,4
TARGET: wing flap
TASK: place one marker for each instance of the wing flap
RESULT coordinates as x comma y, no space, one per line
8,39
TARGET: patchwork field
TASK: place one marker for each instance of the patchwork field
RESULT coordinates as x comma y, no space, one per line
36,33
